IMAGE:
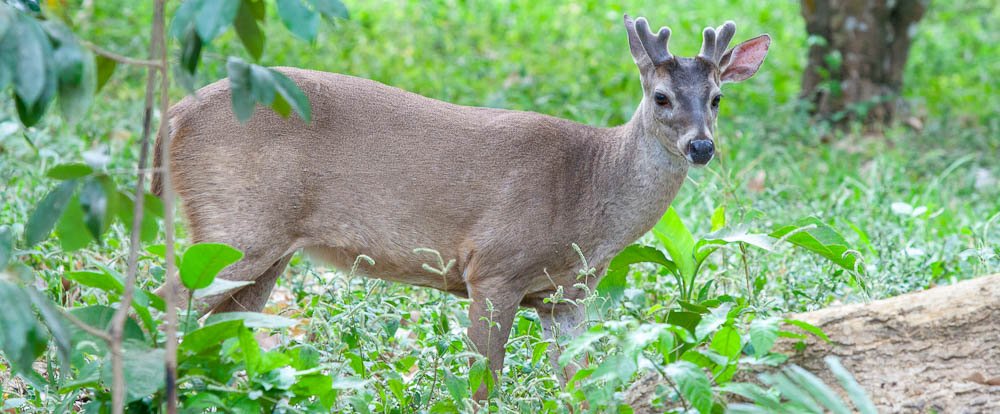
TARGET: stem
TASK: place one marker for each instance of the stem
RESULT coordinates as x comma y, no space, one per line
170,357
187,321
121,314
152,64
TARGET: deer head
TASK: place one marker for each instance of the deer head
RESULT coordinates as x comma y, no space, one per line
681,95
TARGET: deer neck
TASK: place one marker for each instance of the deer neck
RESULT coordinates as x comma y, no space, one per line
640,180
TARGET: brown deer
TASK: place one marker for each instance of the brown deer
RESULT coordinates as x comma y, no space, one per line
385,173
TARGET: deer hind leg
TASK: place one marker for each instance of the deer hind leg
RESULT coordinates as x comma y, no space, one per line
252,298
491,315
561,320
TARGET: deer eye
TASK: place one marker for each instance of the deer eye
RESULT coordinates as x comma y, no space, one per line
661,99
716,100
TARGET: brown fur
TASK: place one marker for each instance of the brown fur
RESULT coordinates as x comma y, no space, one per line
380,171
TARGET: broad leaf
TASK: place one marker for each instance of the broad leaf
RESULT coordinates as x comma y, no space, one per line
144,370
726,342
331,9
97,208
47,212
22,339
210,335
241,94
299,18
679,243
248,30
763,333
69,171
292,95
33,49
6,246
253,320
220,286
814,235
105,68
72,230
203,261
693,384
213,17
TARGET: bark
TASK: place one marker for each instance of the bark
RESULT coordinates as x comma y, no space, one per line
935,351
855,73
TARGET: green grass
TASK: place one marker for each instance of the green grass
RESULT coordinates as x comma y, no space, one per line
571,60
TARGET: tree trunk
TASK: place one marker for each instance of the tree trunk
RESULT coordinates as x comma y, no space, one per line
924,352
855,68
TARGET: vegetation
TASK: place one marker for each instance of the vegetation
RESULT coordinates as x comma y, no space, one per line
792,216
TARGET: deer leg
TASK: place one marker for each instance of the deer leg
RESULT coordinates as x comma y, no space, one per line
491,315
252,298
562,320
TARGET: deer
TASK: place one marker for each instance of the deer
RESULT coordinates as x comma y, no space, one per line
513,198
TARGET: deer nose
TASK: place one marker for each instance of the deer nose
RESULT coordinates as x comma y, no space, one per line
701,151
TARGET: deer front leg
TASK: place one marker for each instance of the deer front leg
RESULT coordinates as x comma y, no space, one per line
491,315
562,320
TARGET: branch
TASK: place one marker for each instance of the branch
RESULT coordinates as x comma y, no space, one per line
121,314
83,325
120,58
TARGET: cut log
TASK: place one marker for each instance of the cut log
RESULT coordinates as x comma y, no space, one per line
935,351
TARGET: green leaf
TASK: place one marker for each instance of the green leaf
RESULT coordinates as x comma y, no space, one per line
686,320
203,261
105,68
31,113
806,326
190,51
56,323
33,49
298,18
183,20
763,333
210,335
72,230
220,286
240,88
74,67
818,389
292,95
145,372
854,390
479,375
214,16
69,171
96,207
253,320
262,84
152,208
726,342
693,384
679,243
458,388
248,30
618,367
251,351
818,237
331,9
538,351
21,338
6,246
719,218
102,281
47,212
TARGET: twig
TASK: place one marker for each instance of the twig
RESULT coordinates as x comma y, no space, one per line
84,326
121,314
120,58
170,357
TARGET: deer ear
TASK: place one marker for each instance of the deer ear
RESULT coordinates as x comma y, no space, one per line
742,61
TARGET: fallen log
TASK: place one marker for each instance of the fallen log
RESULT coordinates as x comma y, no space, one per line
934,351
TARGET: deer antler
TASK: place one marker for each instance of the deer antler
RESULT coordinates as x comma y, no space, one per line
655,45
715,42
